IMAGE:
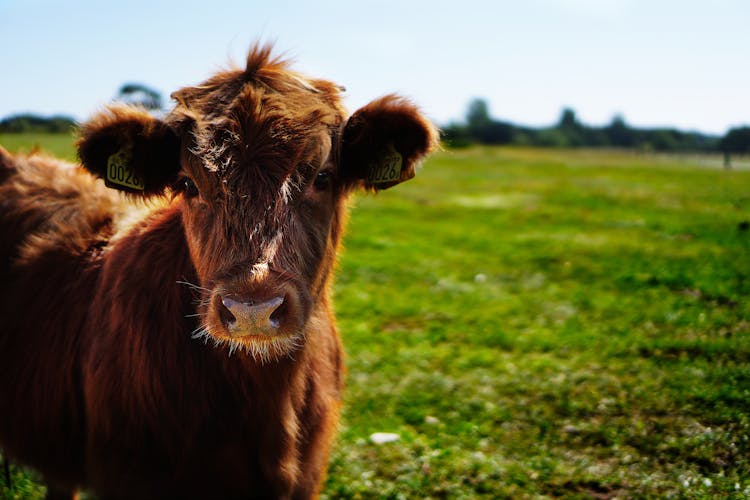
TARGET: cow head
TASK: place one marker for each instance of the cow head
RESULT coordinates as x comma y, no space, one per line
261,161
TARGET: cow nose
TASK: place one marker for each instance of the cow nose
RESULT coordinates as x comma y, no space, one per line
253,318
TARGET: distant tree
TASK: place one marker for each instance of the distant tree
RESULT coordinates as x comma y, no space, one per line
497,132
663,139
478,114
482,128
594,136
550,138
569,131
736,141
568,119
619,134
455,135
140,95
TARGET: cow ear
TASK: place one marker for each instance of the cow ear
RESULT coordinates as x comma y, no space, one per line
130,149
383,142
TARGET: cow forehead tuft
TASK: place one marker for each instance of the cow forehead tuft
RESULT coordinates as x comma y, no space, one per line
265,87
261,122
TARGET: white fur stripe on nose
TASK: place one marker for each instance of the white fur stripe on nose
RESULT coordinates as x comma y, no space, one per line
269,252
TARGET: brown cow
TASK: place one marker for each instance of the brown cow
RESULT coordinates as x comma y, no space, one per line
179,341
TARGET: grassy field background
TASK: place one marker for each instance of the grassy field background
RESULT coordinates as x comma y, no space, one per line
536,323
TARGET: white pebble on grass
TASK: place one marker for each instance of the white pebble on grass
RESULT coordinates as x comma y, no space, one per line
383,437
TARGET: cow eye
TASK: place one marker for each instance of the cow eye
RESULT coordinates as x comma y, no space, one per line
323,180
189,188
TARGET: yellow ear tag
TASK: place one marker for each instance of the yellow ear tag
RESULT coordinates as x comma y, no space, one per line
388,169
119,172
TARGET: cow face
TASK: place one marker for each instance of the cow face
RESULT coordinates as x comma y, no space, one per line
261,161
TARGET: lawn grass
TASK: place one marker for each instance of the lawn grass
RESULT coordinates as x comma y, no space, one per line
60,145
543,323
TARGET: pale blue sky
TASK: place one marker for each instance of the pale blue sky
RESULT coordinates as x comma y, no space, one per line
658,62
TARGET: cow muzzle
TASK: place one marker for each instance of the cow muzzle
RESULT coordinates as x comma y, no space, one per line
243,318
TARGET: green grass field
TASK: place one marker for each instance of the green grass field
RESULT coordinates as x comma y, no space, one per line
544,323
60,145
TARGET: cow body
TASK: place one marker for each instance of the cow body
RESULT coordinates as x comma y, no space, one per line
185,346
104,390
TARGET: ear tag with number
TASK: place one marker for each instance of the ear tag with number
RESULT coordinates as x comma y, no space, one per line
120,174
388,169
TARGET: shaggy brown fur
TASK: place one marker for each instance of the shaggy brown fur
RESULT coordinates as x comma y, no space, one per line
122,369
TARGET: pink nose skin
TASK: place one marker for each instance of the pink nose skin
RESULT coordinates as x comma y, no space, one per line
251,318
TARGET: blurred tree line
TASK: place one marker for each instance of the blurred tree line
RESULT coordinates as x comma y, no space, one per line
27,122
479,128
569,132
130,93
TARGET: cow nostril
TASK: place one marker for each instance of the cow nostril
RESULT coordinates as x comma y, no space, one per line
225,315
277,316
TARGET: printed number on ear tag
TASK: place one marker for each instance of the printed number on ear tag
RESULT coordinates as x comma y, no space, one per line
119,172
387,170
